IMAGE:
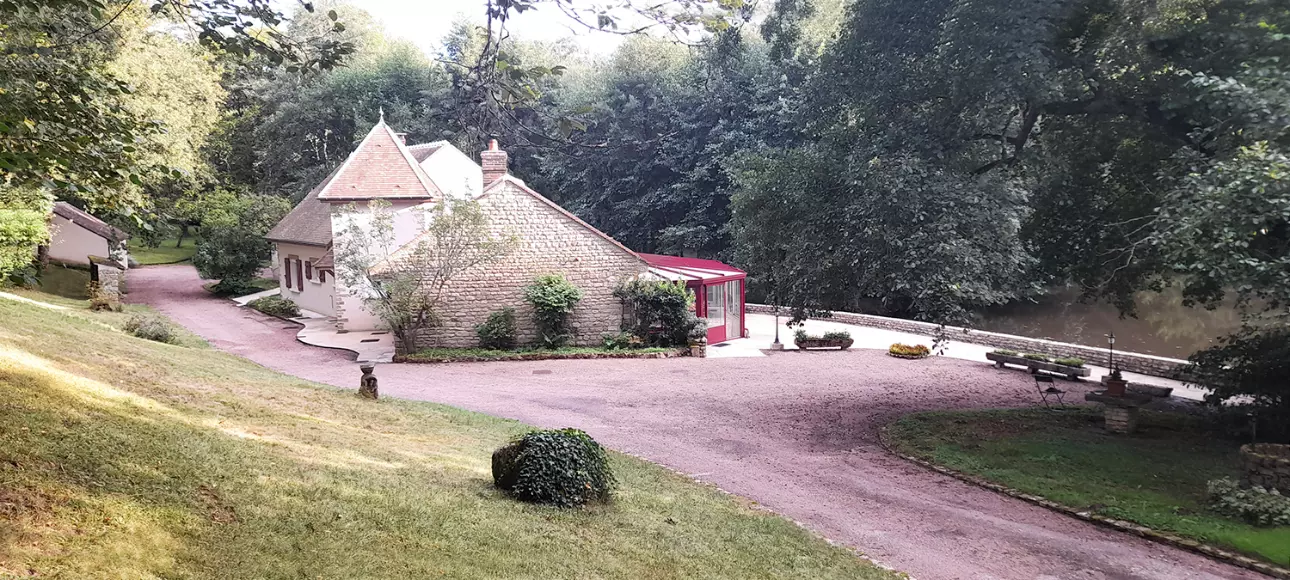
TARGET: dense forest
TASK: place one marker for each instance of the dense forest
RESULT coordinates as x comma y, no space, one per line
920,159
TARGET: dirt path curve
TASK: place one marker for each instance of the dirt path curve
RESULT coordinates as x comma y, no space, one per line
795,432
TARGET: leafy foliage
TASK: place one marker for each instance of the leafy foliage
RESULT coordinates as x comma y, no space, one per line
499,331
1070,361
1005,352
553,298
562,467
1037,357
24,218
661,312
231,246
276,306
1251,365
1254,505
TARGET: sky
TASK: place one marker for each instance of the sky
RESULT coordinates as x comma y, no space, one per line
426,22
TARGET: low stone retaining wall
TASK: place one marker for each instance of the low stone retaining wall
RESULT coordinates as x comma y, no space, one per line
1267,465
1157,366
531,356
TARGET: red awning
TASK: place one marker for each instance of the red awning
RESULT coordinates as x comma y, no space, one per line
691,269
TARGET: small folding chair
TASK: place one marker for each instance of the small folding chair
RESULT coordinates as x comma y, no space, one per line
1049,391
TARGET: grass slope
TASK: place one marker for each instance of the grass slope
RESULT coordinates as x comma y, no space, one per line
1155,478
123,458
164,253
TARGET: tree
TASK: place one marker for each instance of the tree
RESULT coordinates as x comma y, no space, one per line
231,246
24,227
404,286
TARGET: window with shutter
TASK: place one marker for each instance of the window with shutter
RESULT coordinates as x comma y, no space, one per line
309,270
286,272
300,276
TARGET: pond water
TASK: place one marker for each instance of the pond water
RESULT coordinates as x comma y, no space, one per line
1164,327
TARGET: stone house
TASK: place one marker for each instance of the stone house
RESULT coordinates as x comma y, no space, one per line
414,179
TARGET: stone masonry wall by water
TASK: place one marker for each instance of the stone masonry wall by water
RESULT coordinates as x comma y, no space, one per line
1146,364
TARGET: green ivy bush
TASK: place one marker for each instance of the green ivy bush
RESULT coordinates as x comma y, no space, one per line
1038,357
1005,352
499,331
837,335
151,327
1254,505
660,311
276,306
620,341
553,298
1070,361
559,467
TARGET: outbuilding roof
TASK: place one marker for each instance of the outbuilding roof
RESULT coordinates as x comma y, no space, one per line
308,223
95,225
688,269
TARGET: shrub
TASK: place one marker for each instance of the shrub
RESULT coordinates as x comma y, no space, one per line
1038,357
499,331
660,311
1255,506
1006,352
560,467
802,335
919,350
621,341
1070,361
698,330
837,335
151,327
276,306
553,299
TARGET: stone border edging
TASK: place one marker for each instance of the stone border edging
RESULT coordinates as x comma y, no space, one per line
532,356
1146,364
908,356
1166,538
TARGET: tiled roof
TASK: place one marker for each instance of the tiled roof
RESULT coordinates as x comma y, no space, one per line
78,216
381,167
421,151
327,261
309,222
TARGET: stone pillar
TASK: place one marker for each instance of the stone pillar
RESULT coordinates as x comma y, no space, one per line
1123,420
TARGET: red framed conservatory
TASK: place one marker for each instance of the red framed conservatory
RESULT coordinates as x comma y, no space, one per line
718,290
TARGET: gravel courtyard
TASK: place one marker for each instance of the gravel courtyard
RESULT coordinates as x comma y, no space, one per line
795,432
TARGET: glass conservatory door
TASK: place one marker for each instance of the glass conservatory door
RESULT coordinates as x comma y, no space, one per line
732,310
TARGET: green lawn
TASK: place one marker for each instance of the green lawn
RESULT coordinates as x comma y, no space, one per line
1155,477
166,253
123,458
484,354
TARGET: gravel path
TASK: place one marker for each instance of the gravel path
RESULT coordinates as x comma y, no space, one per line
796,432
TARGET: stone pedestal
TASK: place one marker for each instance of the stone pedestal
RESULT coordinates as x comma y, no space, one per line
1267,465
1123,420
1121,413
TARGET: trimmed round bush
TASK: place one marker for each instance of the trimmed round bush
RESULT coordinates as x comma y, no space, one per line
151,328
499,331
276,306
559,467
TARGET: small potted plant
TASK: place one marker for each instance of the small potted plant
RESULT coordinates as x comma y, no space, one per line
1115,383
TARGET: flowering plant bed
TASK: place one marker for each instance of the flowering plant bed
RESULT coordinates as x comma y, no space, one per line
910,351
1036,363
836,339
449,355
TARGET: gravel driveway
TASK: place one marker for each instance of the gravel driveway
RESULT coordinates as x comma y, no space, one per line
796,432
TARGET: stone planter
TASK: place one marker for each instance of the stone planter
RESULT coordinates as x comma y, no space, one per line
908,356
1115,387
1072,373
699,349
1267,465
810,343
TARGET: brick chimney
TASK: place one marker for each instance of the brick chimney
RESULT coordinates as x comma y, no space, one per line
493,162
403,138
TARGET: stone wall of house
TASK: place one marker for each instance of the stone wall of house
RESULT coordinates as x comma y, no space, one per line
550,241
1146,364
